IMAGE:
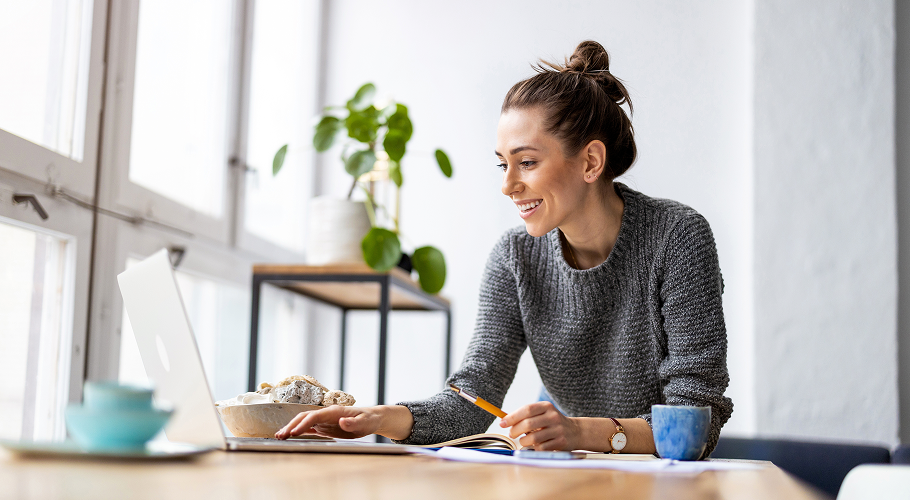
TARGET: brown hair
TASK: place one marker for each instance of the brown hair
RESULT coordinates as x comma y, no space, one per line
582,102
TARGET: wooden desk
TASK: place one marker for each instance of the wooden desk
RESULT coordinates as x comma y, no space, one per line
226,476
349,287
242,475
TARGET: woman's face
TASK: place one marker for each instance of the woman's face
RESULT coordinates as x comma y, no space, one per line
545,186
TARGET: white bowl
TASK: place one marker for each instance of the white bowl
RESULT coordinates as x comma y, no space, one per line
260,420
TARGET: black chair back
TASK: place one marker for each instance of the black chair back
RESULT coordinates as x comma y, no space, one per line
823,465
901,455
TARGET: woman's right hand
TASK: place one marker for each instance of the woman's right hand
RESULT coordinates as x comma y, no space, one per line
348,422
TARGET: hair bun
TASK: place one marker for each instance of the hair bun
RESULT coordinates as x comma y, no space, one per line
589,57
590,60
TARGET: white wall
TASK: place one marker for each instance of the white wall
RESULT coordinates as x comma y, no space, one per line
687,66
825,229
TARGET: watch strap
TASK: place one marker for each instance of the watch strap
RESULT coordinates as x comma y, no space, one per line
618,425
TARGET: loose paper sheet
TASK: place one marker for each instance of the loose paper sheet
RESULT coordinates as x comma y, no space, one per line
662,465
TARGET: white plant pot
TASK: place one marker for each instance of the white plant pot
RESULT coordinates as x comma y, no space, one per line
336,229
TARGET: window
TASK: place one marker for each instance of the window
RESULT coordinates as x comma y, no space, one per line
180,122
36,298
43,91
282,107
51,54
180,102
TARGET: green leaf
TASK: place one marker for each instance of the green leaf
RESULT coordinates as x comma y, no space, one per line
395,144
360,163
363,125
444,164
395,173
381,249
326,131
431,268
363,97
399,121
278,161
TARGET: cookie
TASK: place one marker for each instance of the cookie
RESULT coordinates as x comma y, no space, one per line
307,378
338,398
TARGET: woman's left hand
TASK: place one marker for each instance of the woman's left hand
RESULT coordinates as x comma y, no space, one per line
544,427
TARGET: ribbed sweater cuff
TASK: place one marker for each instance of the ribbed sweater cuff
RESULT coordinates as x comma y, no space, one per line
420,432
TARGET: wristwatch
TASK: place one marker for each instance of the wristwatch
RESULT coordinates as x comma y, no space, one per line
618,439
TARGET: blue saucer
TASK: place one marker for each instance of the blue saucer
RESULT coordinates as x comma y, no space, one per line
116,430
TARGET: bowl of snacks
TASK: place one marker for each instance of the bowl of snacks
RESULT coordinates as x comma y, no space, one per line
262,413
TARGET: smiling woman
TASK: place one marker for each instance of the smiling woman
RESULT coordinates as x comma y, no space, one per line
616,294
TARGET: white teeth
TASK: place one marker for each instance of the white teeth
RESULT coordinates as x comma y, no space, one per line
528,206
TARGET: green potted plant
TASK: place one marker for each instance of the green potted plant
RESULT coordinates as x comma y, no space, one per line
375,137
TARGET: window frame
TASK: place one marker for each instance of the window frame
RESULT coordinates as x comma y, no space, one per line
126,196
47,166
75,224
247,240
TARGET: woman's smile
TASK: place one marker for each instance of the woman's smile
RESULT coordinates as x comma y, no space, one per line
526,208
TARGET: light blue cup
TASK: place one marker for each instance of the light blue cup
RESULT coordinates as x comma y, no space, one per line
115,417
680,432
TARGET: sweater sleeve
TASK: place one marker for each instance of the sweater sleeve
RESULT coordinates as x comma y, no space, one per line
693,371
489,364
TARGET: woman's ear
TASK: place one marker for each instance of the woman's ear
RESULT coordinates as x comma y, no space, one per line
595,155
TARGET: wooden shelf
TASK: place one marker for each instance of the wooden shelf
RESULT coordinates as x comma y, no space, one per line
350,286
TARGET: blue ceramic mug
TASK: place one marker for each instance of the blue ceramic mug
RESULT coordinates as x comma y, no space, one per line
680,432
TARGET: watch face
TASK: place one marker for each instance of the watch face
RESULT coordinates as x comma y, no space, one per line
618,441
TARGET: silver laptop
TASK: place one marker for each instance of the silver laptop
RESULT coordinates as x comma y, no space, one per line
171,358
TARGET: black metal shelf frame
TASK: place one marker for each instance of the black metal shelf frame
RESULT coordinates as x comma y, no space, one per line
386,281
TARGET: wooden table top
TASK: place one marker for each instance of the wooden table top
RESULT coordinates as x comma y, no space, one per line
404,294
230,475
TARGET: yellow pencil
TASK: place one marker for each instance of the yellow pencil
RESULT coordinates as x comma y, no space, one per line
479,402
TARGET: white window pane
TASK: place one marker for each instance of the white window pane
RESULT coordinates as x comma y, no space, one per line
179,145
220,317
35,332
44,64
282,100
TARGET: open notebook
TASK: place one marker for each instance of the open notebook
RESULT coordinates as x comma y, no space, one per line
481,441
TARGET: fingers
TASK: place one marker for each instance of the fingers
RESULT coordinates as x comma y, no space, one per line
525,412
304,422
283,433
548,418
549,439
325,416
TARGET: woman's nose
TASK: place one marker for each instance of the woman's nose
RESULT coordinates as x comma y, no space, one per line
510,183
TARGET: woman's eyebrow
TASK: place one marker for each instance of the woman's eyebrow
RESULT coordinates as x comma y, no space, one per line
518,150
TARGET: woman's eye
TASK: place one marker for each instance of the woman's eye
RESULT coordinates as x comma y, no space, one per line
528,163
502,166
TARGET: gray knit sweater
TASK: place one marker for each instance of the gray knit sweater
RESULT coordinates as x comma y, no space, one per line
644,327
